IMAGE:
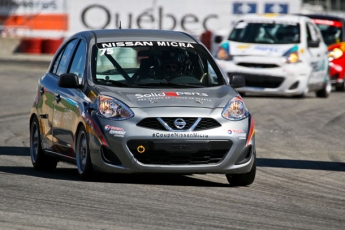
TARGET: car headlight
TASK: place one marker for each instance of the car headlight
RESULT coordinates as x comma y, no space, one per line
335,54
111,108
235,110
224,52
292,57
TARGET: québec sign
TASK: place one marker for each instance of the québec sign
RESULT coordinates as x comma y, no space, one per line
146,19
192,16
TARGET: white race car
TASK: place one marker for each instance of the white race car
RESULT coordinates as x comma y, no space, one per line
277,54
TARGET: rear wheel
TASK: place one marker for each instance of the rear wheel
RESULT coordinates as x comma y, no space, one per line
83,159
39,160
243,179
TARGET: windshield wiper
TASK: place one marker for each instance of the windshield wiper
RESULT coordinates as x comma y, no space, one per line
112,82
171,84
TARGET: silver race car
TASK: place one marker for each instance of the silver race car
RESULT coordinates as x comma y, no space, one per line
141,101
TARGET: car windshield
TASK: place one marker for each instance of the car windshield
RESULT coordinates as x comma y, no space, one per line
269,32
154,64
330,30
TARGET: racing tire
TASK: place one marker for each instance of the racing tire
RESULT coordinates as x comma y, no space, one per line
340,87
82,152
325,91
244,179
39,159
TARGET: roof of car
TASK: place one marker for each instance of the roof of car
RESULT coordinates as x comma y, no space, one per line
138,35
275,17
324,16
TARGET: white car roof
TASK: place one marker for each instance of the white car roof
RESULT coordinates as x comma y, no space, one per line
283,18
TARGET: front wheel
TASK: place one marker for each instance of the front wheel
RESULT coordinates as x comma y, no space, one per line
340,87
243,179
39,160
82,151
325,91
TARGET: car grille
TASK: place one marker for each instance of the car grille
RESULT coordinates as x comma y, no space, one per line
257,65
176,153
204,124
262,81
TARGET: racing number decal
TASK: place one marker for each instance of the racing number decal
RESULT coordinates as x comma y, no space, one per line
106,50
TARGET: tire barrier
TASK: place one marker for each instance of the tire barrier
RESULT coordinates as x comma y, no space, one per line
39,45
31,45
50,46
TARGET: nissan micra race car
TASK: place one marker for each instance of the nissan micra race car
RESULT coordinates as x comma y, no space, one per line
277,54
141,101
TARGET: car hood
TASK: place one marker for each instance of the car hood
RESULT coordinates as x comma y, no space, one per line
214,97
250,49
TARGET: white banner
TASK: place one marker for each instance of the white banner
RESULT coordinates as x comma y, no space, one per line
192,16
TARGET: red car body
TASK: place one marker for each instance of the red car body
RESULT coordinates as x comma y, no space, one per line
332,29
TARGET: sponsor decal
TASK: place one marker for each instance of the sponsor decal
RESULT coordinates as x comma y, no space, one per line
146,43
108,48
170,94
173,95
238,133
242,47
251,131
267,48
173,135
180,98
116,131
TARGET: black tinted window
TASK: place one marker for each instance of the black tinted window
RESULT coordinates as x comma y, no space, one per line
66,56
78,62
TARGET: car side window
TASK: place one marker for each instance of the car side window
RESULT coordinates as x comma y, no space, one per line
66,56
57,61
78,62
317,32
309,37
313,34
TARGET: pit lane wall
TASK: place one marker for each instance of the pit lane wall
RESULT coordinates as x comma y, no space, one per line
55,19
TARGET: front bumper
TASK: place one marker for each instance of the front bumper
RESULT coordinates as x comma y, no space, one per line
337,71
135,149
290,79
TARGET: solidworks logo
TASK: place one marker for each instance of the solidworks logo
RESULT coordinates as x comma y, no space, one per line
170,94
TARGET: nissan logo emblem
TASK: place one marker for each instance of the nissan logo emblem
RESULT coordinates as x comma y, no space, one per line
179,123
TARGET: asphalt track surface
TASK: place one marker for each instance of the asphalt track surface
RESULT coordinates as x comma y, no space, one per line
300,182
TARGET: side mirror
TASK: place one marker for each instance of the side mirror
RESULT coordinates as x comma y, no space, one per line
218,39
313,44
69,80
237,81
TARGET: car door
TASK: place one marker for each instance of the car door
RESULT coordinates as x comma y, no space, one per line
318,52
62,109
46,90
67,104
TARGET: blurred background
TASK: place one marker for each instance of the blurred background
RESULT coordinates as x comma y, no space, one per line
40,26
